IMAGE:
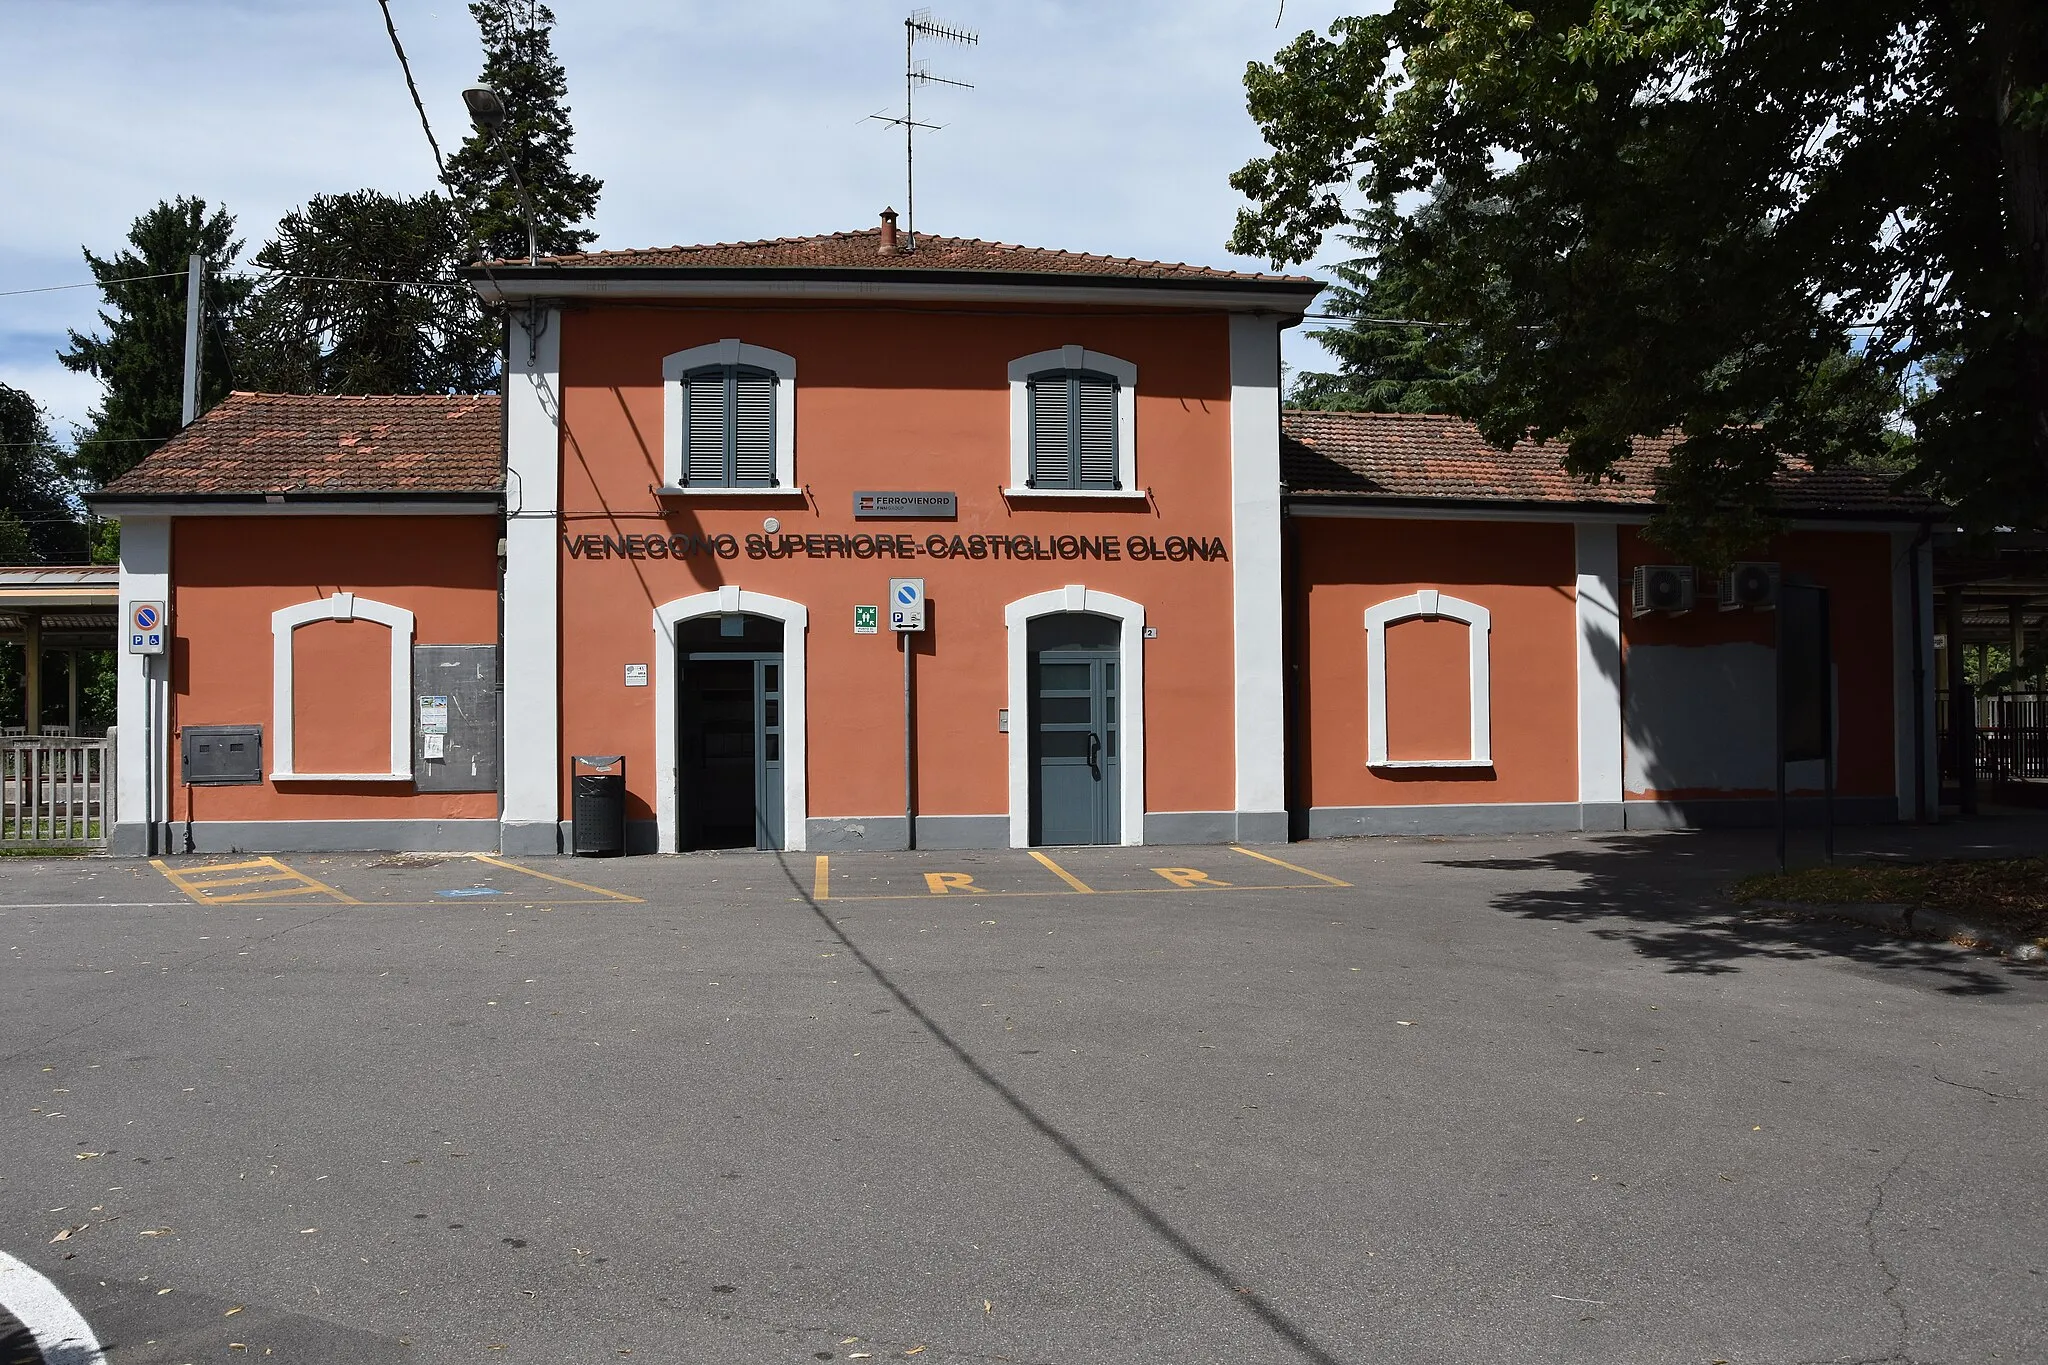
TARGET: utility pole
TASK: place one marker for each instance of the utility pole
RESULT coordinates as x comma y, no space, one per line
195,289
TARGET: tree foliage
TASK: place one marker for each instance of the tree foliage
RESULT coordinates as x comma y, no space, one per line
362,298
141,357
1749,221
520,64
1386,363
39,521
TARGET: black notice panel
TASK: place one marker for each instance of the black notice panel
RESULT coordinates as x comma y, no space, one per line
465,677
220,755
1805,672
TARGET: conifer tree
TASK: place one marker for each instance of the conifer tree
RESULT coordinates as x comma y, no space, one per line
141,358
39,523
520,64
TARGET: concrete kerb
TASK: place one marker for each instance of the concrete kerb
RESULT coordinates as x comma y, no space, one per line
1909,921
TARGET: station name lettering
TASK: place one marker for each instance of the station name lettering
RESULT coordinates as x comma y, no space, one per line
835,546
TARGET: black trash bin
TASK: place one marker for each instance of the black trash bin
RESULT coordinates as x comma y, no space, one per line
597,788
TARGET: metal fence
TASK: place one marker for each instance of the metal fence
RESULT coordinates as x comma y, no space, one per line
2012,736
55,791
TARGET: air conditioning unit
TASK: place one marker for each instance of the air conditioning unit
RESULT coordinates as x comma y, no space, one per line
1662,587
1753,584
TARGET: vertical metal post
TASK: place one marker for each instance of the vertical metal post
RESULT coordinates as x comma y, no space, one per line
909,750
32,671
1827,636
909,135
1962,707
1778,726
195,283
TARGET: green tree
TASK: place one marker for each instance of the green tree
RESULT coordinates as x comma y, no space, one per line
1384,362
141,358
39,519
362,298
1736,219
520,64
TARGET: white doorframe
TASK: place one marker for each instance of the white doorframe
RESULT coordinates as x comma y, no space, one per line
1017,617
732,601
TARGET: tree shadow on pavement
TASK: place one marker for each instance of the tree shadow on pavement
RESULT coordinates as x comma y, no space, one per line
1666,896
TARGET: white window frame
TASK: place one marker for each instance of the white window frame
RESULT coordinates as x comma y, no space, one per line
674,467
342,606
1428,604
1074,358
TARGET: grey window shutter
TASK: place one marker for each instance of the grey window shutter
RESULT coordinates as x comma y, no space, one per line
1095,427
1052,463
753,445
704,401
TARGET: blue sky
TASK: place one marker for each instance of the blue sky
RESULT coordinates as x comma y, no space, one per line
1107,126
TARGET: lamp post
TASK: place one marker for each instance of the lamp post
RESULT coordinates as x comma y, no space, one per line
487,113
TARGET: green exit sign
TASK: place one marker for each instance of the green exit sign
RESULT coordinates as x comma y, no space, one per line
866,620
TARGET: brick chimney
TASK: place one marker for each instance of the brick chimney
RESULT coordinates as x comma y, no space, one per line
888,247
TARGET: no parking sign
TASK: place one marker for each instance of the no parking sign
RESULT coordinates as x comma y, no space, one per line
147,627
906,604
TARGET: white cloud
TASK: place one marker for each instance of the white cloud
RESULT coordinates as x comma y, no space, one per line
1092,126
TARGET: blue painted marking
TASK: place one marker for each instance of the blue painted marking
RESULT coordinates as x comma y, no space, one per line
906,594
464,892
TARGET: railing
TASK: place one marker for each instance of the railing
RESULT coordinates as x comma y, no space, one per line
2012,736
55,792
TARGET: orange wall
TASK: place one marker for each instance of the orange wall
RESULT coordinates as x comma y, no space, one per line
231,573
1856,568
1523,574
901,399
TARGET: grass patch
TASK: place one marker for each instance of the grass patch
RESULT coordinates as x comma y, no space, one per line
46,851
1999,893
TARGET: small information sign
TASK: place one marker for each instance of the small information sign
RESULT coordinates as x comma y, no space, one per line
433,715
906,604
866,620
433,744
146,628
636,675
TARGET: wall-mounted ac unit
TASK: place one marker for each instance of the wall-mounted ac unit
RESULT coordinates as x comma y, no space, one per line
1662,587
1751,584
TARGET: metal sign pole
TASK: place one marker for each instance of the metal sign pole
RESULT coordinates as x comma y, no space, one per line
909,751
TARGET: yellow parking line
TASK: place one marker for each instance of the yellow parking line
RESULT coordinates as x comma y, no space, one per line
1306,872
193,882
218,882
270,895
821,879
1069,878
1100,891
560,881
220,867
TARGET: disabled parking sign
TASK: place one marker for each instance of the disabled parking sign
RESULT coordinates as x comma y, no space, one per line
146,628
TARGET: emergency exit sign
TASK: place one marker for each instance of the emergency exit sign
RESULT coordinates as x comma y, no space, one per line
866,620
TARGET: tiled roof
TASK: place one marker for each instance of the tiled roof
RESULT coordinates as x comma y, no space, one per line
255,443
1406,457
862,251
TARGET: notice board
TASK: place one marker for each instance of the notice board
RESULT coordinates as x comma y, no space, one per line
456,687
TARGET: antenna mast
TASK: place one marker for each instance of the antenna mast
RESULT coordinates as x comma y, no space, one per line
920,24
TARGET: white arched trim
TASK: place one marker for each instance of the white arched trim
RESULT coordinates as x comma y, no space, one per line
1017,617
732,601
343,606
1073,358
1429,605
727,352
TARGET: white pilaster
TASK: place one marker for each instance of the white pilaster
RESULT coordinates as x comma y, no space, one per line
1257,614
1597,550
141,684
531,774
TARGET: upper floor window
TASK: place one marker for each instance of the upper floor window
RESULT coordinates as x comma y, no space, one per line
1073,430
1072,424
729,418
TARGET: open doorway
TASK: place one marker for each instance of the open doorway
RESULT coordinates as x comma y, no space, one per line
729,736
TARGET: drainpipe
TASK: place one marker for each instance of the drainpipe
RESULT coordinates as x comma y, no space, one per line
1292,613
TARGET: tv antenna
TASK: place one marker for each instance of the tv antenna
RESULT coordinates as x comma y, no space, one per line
920,24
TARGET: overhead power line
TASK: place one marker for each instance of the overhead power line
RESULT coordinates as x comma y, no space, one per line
439,165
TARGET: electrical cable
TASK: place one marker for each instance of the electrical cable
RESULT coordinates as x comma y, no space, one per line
440,166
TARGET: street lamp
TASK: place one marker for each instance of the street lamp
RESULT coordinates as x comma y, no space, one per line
487,113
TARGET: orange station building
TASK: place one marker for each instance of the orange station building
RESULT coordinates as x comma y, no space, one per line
1155,609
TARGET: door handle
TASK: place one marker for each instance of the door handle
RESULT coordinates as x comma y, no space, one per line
1095,755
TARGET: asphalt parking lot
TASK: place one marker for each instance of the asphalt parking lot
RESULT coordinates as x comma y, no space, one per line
1390,1100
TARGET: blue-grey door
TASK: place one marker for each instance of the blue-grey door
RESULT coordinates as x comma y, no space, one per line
1076,795
729,740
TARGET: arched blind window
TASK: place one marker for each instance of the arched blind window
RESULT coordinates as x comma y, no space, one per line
729,427
1073,430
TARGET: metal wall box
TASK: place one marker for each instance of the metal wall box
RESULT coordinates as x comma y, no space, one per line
220,755
467,676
